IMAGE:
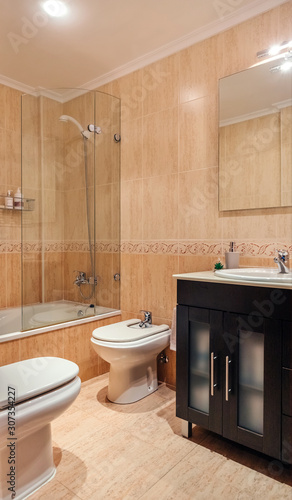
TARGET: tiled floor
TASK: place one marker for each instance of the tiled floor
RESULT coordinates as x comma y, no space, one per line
106,451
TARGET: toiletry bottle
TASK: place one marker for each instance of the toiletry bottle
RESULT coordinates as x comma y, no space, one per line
18,200
232,257
9,200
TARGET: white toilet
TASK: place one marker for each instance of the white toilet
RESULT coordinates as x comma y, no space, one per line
131,352
32,394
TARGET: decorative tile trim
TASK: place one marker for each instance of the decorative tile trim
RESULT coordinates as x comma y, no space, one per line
203,247
200,247
154,247
59,246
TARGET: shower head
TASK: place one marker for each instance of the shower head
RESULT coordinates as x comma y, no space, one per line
67,118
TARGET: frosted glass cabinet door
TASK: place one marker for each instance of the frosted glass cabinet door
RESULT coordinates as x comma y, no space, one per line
251,381
199,380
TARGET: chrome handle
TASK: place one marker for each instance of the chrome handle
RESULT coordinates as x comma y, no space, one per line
227,389
212,373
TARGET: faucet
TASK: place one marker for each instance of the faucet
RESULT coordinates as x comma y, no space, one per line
282,261
80,278
147,319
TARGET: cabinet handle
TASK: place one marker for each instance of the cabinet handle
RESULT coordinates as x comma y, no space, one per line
227,389
212,373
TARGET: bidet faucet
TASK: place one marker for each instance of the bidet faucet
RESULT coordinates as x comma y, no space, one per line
147,319
282,261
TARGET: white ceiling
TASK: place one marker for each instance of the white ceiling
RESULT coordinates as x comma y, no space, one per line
100,40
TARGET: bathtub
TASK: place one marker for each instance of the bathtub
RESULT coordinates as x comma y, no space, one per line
17,322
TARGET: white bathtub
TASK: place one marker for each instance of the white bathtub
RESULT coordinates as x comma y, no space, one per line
41,318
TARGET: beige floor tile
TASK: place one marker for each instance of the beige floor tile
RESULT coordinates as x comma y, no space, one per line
106,451
54,491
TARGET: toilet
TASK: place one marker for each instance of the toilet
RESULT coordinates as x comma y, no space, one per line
32,394
131,352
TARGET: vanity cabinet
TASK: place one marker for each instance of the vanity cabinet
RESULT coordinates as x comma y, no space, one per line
233,364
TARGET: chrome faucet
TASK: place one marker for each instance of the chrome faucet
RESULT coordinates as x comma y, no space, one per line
147,319
80,278
282,261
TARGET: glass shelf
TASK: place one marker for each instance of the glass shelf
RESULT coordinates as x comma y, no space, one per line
28,205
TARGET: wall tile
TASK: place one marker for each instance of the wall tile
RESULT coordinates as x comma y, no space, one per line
199,67
131,149
160,210
132,283
160,143
198,205
129,89
160,82
198,133
131,210
159,287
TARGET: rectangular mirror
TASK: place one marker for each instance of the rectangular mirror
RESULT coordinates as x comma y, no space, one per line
255,138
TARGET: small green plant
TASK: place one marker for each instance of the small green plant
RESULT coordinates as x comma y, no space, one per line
218,265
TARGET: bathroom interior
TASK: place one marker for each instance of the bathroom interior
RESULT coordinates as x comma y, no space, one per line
109,216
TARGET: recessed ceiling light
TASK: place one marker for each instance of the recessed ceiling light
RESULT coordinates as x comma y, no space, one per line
55,8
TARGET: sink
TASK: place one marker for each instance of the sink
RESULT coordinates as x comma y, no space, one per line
255,274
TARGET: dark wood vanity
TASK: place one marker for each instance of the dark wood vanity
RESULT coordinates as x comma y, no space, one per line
234,361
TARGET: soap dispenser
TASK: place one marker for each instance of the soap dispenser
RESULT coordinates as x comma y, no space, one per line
18,201
9,200
231,257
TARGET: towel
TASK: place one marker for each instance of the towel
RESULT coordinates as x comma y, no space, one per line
173,331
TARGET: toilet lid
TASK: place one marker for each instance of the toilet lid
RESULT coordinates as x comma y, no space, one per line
25,379
126,331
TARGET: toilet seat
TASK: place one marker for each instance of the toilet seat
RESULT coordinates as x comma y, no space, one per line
123,332
33,377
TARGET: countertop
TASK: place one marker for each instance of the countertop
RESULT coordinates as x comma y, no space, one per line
209,276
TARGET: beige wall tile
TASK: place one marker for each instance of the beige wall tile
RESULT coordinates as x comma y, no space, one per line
132,284
131,149
198,133
160,143
3,282
44,344
199,67
198,205
13,109
9,352
129,89
160,82
159,287
160,210
13,280
131,210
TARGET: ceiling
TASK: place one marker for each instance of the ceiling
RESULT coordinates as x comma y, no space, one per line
100,40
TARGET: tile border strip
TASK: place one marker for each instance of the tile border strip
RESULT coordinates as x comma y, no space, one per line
246,248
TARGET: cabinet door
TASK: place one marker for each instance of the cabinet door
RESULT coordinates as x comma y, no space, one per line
199,388
251,399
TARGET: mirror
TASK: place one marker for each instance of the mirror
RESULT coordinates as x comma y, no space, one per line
255,138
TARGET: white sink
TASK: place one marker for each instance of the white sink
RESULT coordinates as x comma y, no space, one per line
255,274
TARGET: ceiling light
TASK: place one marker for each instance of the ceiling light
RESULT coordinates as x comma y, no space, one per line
55,8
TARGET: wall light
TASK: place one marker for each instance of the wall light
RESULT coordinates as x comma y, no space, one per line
275,49
286,65
55,8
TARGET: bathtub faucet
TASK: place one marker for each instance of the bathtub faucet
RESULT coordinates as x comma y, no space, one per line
282,261
147,319
80,278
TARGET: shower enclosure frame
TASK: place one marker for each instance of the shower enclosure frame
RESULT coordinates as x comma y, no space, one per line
39,138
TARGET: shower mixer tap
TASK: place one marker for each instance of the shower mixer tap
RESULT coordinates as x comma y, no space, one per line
80,278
